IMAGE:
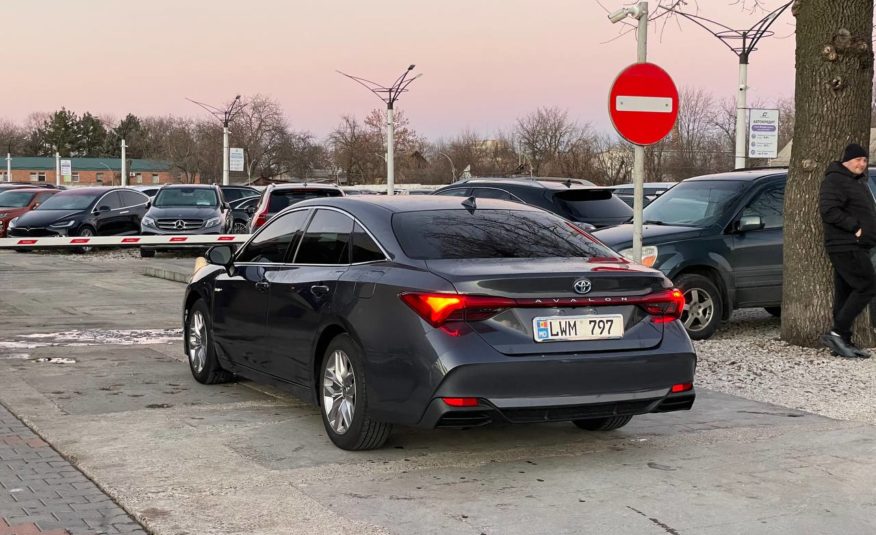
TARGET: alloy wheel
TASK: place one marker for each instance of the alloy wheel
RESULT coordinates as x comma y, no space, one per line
86,233
339,392
197,336
699,309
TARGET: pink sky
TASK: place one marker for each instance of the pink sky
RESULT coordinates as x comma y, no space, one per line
484,62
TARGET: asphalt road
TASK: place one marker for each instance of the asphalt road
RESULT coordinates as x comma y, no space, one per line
90,359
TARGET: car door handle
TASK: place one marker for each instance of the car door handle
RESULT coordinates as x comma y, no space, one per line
320,290
263,286
125,212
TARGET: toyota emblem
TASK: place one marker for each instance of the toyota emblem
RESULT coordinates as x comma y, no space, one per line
583,286
179,224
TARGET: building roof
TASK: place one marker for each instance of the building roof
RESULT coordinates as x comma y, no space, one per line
783,158
47,163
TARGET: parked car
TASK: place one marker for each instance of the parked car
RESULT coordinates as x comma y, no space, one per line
652,190
99,211
16,202
277,197
186,209
235,193
148,191
429,312
576,202
4,186
719,238
242,211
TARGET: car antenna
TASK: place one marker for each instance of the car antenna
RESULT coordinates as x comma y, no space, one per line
470,203
568,183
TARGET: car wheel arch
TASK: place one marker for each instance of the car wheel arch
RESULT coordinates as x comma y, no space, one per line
714,275
328,333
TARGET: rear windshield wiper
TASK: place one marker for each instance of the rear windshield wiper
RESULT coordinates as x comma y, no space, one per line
653,222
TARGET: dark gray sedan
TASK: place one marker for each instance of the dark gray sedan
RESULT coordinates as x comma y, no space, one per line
439,312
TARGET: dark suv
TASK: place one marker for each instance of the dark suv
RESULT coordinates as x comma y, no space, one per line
719,238
186,209
574,201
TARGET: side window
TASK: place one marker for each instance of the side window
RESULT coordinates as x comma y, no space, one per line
769,205
364,248
132,198
112,200
278,237
41,198
493,193
326,240
455,192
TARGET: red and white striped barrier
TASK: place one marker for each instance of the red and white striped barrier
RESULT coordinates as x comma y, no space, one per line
121,241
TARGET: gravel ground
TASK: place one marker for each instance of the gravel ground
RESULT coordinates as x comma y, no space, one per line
746,358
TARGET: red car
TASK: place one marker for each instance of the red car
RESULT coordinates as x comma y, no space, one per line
17,202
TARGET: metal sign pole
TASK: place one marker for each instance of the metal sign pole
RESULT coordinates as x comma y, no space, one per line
639,153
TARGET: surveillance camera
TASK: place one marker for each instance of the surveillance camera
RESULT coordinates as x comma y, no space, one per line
618,15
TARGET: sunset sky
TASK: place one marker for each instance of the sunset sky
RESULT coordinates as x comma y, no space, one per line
484,62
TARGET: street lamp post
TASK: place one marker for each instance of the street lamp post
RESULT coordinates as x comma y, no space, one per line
225,116
57,168
640,13
452,167
123,166
388,95
8,167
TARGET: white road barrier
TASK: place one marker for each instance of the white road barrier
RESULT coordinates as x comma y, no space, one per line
121,241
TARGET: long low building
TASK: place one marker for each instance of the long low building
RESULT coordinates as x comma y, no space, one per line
88,171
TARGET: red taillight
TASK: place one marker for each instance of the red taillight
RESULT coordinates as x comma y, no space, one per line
461,402
260,220
664,306
438,309
681,387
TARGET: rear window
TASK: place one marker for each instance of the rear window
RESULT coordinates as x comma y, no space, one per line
460,234
585,204
282,198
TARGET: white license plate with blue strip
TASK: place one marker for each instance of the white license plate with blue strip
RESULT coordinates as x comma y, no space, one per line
567,328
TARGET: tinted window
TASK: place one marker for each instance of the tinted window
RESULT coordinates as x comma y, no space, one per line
112,200
15,199
364,248
132,198
493,193
454,192
186,197
585,204
282,198
698,203
271,244
769,205
233,194
70,200
442,234
326,239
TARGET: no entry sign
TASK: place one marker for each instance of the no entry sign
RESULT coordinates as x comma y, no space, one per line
643,104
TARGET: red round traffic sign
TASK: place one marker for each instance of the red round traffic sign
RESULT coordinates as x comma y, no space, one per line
643,104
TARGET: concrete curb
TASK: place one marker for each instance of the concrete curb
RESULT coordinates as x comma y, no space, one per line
170,274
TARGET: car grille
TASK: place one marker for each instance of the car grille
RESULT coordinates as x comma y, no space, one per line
24,232
174,224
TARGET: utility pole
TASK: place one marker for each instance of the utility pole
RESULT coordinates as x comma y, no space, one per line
388,95
124,165
57,168
225,117
8,167
640,13
742,43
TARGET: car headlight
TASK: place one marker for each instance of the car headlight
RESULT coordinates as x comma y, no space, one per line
63,224
649,255
12,223
213,222
148,222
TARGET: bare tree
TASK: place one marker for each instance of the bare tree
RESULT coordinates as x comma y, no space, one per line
543,134
259,129
355,150
834,92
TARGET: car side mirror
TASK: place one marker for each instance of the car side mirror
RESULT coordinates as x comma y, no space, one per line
749,222
220,255
36,205
148,204
103,208
250,210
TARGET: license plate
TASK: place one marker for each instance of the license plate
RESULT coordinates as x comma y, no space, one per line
564,328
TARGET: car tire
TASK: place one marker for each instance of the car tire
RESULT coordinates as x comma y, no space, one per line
609,423
703,307
342,390
240,227
22,250
199,347
774,311
84,232
146,253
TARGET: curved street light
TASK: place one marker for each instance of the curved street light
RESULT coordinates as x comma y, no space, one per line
452,167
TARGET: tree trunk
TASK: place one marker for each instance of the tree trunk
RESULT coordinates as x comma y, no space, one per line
834,86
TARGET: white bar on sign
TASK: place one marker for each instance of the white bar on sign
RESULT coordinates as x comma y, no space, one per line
650,104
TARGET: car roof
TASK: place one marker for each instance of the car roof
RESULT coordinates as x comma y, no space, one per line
552,183
198,186
648,185
416,203
304,185
749,175
95,189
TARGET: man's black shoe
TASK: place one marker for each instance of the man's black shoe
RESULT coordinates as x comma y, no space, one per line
839,347
860,353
